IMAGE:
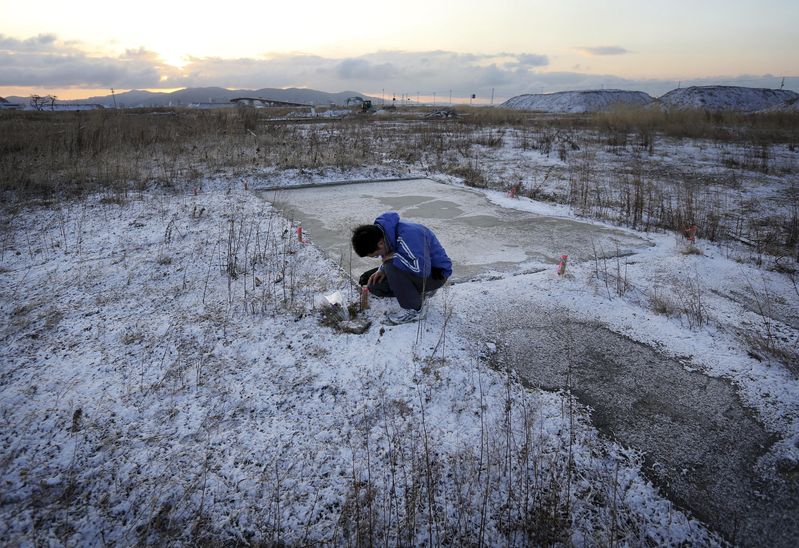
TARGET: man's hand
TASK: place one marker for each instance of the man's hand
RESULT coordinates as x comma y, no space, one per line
376,278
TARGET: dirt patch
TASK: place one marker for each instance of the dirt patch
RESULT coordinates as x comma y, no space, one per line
702,446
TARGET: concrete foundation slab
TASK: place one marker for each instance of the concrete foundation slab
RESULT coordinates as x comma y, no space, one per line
481,238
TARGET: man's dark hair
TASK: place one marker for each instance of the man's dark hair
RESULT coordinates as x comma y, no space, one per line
365,239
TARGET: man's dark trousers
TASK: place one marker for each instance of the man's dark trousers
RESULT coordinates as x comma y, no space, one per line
403,285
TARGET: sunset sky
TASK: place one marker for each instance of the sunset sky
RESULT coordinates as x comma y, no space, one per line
84,48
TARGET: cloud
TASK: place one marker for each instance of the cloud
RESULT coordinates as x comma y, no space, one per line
46,61
533,60
363,69
294,70
394,71
603,50
37,43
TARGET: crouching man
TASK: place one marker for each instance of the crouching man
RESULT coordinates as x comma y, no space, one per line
414,264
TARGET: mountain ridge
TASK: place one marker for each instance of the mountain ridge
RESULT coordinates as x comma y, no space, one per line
710,98
186,96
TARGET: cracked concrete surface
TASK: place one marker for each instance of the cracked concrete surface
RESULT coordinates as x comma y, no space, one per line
482,239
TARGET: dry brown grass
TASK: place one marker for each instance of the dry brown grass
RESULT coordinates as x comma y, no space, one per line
758,128
62,154
42,154
45,153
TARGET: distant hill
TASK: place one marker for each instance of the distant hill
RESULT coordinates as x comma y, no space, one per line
712,98
577,101
729,98
184,97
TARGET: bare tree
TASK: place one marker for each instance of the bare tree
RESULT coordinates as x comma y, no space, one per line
40,103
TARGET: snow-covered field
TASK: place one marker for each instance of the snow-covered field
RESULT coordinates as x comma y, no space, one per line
165,377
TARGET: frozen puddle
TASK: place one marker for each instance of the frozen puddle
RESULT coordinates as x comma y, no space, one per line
481,238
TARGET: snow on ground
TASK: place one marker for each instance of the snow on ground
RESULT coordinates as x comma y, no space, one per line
577,101
715,98
736,98
748,300
734,183
793,105
736,299
165,377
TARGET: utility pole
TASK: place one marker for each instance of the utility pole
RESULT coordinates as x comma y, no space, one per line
115,97
492,96
782,84
434,98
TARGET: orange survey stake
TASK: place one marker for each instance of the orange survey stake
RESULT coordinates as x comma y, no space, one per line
562,265
364,298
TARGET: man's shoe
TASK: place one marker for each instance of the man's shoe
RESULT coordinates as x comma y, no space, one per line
406,316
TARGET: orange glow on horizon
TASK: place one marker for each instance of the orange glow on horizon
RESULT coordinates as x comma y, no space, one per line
71,94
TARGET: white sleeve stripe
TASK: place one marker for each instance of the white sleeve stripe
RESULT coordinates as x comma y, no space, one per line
414,267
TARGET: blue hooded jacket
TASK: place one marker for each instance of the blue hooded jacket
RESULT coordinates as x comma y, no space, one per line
416,249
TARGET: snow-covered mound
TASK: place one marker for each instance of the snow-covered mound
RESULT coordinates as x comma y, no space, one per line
577,101
791,105
718,98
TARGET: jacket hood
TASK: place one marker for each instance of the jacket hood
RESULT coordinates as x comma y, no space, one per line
388,222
